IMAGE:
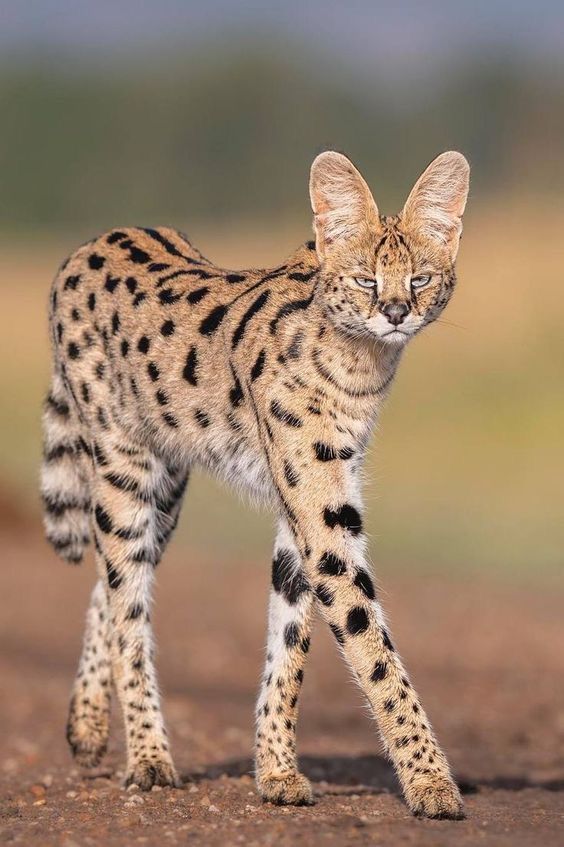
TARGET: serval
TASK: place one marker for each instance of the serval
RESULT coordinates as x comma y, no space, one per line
272,380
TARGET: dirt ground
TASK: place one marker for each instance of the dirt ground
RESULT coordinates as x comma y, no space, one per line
487,659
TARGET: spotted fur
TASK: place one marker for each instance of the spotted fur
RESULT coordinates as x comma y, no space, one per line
271,380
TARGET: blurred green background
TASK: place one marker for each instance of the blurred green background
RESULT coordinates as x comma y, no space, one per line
207,117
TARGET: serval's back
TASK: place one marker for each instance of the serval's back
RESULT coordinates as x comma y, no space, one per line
271,380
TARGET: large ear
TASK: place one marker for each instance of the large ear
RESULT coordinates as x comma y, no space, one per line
436,203
342,203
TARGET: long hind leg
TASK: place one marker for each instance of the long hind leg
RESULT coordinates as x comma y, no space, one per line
89,713
88,723
127,490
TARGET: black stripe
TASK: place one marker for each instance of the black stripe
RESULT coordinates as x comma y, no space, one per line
283,415
255,307
288,309
197,295
258,366
168,245
190,368
210,323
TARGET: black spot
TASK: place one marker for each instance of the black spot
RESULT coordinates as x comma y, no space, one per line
153,371
170,420
190,368
332,565
139,297
59,332
345,516
310,245
284,415
390,705
357,620
235,278
387,641
116,235
92,301
124,347
135,612
131,284
111,283
325,595
85,391
197,295
73,350
114,579
323,452
362,580
326,453
379,672
258,366
338,633
300,676
103,519
115,322
155,267
255,307
71,282
287,577
167,328
75,315
167,296
143,344
162,399
236,395
290,475
95,261
291,635
138,256
210,324
201,418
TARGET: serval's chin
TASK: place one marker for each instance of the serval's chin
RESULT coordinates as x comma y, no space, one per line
272,380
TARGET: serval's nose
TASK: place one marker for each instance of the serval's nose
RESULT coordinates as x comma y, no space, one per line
395,310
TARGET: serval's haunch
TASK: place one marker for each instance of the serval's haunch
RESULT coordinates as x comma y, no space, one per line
272,380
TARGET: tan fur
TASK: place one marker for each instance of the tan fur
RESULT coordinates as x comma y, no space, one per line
272,380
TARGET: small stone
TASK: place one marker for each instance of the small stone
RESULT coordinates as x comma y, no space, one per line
193,789
71,794
38,790
131,788
213,808
156,788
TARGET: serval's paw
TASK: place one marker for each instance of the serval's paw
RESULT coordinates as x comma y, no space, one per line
148,772
290,789
435,797
88,729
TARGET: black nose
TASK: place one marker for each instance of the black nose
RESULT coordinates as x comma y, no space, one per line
395,312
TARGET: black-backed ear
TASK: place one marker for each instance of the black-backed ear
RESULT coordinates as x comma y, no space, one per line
342,203
436,204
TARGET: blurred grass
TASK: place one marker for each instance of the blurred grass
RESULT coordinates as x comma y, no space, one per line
466,469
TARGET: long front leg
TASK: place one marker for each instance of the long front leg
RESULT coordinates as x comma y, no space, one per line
289,627
325,513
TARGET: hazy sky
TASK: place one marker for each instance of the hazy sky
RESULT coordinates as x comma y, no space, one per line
364,33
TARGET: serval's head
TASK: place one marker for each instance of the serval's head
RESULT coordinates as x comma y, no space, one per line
387,277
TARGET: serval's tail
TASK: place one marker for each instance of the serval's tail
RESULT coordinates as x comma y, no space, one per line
64,475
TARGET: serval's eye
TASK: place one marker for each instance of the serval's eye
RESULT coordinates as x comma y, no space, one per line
420,281
364,282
